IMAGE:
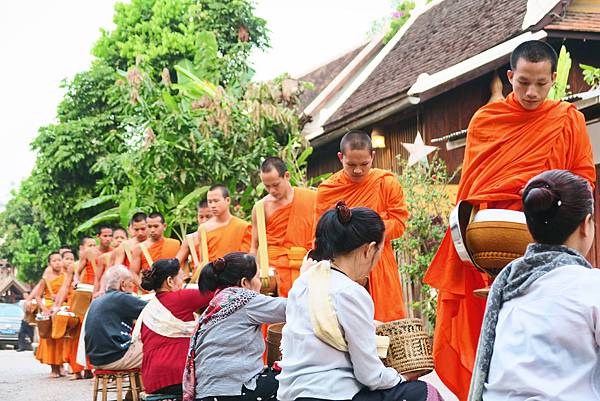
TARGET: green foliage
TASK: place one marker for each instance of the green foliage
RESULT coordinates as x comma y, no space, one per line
428,202
591,75
399,18
560,87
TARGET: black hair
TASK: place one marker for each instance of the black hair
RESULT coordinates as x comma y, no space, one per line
52,254
153,279
555,203
103,227
65,251
119,228
341,230
154,215
356,140
65,247
137,217
534,51
203,204
276,163
227,271
223,188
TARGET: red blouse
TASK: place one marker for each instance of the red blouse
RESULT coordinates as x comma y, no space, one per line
164,357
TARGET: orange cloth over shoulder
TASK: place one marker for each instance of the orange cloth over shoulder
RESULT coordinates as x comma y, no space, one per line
236,236
382,192
506,146
50,352
89,274
166,248
289,237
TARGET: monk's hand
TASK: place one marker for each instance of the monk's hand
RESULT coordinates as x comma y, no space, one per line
377,323
411,377
521,191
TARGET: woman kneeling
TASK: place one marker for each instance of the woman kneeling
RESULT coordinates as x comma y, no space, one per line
225,359
329,344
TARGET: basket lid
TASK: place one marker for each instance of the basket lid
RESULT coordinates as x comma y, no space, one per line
511,216
85,287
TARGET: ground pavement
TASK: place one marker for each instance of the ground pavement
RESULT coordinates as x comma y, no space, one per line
23,378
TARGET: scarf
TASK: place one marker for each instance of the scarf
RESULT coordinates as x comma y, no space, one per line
512,282
161,321
225,303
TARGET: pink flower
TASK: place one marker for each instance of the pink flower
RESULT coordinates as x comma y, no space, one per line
397,14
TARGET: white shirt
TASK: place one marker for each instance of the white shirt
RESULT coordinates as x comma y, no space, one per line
547,341
314,369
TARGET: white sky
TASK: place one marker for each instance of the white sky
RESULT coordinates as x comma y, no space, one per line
43,42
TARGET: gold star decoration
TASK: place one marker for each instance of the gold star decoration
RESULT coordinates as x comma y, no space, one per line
418,151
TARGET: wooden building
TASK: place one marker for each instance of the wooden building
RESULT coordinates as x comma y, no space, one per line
447,61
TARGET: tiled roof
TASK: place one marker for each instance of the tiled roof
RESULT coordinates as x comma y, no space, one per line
576,21
322,76
446,34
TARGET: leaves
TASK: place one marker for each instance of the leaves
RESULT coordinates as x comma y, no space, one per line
559,89
591,75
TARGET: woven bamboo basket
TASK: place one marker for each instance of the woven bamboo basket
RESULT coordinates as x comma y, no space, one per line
410,349
274,343
44,324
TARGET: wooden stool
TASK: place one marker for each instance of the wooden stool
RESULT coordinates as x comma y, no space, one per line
112,381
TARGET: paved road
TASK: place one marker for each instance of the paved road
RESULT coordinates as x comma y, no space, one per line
23,378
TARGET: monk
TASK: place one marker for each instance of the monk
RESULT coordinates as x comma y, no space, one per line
225,233
509,141
203,215
361,185
50,352
138,233
289,218
89,261
154,248
107,259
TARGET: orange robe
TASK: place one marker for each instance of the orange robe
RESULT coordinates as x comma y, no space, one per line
236,236
166,248
50,352
89,273
382,192
289,237
506,146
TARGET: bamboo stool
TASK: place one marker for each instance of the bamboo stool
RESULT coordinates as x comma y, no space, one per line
117,381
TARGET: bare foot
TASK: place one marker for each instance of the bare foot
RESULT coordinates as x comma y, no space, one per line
76,376
54,375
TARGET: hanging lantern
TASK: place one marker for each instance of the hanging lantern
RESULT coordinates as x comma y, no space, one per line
377,138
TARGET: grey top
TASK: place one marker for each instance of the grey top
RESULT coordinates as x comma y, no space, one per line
229,354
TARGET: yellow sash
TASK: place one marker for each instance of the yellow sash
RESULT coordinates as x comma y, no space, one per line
146,254
127,249
204,250
192,246
263,251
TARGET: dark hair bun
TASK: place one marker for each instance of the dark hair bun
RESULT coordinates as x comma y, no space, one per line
219,265
541,200
343,212
149,280
154,278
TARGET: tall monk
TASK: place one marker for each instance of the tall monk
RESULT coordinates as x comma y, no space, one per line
203,215
138,230
509,141
361,185
108,259
89,261
154,248
50,351
289,218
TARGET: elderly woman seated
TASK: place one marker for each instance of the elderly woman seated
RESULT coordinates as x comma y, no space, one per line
329,344
540,338
109,321
166,324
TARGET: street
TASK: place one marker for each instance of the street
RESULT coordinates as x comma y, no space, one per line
23,378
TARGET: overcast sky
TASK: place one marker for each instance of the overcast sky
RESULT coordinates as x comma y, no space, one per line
43,42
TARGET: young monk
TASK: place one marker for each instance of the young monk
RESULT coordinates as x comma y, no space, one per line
154,248
225,233
138,232
289,217
508,142
358,184
50,352
89,261
203,216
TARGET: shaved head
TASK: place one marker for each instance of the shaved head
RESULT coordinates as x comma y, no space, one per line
356,140
274,163
534,51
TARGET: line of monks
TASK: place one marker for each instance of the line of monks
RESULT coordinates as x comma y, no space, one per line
509,141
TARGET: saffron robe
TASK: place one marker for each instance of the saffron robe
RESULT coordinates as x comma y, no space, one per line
506,146
89,275
380,191
50,351
289,237
166,248
235,236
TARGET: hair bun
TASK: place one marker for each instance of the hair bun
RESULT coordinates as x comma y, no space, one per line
219,265
541,200
148,282
343,211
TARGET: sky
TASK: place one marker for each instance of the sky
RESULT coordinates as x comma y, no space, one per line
43,42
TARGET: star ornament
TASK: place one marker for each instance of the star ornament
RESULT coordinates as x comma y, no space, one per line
418,151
